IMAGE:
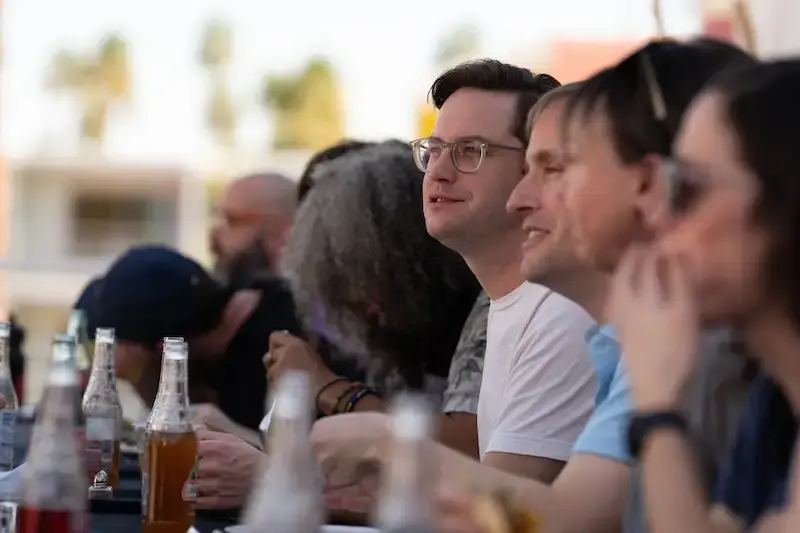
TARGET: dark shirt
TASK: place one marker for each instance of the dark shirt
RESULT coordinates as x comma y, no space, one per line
754,480
239,378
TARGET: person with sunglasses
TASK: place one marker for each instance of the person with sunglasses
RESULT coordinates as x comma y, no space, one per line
730,257
616,129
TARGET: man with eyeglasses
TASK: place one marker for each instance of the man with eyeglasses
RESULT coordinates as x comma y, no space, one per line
538,385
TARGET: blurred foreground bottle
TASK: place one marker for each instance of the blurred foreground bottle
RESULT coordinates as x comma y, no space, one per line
103,412
170,469
53,490
288,498
77,327
64,356
404,505
8,415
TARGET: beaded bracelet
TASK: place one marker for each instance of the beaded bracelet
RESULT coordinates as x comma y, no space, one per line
347,392
360,393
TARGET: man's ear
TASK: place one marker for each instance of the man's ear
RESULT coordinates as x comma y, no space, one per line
652,198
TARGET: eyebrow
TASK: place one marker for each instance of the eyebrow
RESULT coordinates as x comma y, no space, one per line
545,155
465,138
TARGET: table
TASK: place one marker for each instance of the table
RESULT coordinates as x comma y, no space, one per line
129,488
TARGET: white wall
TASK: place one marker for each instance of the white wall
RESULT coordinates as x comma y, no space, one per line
776,24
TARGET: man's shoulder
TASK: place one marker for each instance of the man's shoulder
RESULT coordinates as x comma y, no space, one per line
555,315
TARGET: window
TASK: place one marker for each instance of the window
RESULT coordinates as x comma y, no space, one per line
106,225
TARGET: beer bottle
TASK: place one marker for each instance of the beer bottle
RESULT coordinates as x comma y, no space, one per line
76,326
103,412
407,485
167,340
8,415
171,450
53,486
288,498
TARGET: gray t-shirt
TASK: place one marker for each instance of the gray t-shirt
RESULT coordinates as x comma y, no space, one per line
459,392
713,408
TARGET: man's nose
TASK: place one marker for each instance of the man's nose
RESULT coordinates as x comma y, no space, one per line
526,196
442,169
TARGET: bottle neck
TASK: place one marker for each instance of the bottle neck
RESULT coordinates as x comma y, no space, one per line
103,366
174,380
5,357
170,412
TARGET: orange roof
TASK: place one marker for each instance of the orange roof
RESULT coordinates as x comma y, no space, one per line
577,60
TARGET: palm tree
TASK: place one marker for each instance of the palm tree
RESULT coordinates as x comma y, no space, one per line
307,107
216,53
99,80
461,43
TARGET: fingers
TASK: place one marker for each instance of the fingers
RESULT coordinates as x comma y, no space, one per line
280,338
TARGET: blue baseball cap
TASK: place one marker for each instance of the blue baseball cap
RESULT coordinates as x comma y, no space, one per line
152,292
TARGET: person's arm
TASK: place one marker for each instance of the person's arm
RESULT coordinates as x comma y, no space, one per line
674,496
548,396
456,430
588,496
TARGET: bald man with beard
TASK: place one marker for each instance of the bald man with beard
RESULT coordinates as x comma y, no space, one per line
251,222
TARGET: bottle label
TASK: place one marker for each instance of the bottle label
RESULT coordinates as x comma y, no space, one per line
100,436
190,487
8,426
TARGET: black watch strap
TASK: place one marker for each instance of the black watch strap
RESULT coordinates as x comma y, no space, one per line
642,424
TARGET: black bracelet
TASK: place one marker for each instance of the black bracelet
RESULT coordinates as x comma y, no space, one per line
325,387
347,392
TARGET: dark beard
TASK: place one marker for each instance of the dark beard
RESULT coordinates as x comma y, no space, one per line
249,265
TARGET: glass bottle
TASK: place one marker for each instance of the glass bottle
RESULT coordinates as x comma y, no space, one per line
404,504
63,356
77,327
103,412
8,415
288,497
53,488
169,492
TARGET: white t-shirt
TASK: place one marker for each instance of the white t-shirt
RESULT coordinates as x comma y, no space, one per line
538,386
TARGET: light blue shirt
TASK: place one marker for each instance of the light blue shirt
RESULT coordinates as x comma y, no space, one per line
605,433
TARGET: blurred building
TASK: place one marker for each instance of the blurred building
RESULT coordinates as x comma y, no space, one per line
65,219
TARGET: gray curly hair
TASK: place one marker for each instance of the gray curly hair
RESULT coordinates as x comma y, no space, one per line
358,243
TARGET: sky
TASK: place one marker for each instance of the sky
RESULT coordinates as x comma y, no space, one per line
382,51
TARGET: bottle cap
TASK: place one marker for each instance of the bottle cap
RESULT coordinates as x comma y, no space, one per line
175,349
104,335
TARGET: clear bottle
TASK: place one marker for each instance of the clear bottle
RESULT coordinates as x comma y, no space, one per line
53,488
404,505
167,341
168,491
103,412
77,327
8,415
288,497
64,356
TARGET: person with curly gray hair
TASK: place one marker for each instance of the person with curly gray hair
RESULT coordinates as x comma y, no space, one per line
366,275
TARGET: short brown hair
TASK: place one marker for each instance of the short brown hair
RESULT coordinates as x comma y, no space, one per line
548,99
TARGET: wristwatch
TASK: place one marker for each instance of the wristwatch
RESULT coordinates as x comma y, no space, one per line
642,424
